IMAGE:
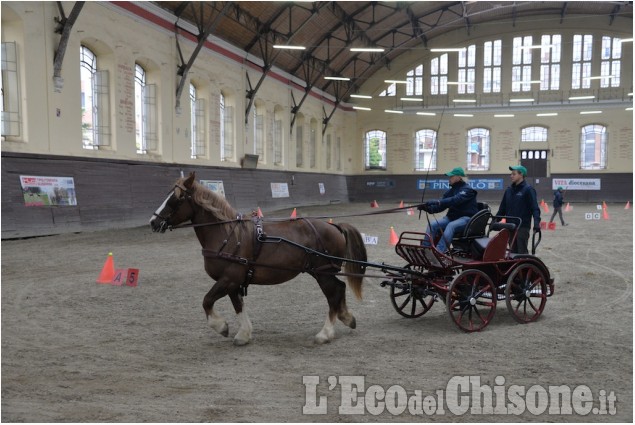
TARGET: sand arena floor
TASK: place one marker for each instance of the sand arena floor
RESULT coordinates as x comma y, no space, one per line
77,351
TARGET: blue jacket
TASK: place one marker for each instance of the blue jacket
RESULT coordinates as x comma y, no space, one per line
557,199
520,201
460,200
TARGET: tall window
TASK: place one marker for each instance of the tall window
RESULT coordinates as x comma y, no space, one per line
197,124
226,127
414,77
277,136
313,144
338,157
611,62
328,152
425,150
375,150
259,132
299,141
582,55
478,149
593,147
391,90
95,101
10,90
521,64
550,49
467,69
439,75
533,134
146,128
492,59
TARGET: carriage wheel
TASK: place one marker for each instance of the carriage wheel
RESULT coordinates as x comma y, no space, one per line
410,301
471,300
526,293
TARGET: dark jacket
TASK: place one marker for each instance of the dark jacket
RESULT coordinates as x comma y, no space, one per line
460,200
557,199
520,201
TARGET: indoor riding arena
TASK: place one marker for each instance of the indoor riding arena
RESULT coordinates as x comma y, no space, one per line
170,170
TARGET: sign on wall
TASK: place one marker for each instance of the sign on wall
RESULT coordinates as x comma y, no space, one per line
215,186
477,184
279,190
577,184
39,191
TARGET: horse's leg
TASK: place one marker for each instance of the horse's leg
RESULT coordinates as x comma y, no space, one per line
243,336
215,320
335,292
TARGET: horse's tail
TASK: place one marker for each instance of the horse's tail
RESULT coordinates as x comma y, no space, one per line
355,250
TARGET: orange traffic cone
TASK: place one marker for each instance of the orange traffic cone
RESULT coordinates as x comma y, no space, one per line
393,236
401,204
603,205
294,214
260,214
628,205
374,204
568,207
545,207
108,271
605,212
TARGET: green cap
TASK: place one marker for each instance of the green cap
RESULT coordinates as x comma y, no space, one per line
560,188
519,168
458,171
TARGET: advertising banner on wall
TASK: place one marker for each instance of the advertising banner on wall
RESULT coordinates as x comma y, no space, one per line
577,184
477,184
279,190
41,191
215,186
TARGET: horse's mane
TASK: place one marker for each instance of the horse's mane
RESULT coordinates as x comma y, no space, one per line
212,202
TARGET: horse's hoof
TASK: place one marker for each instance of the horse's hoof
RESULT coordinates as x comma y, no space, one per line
240,342
225,332
319,340
353,323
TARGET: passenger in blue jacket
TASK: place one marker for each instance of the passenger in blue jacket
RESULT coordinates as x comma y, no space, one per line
519,200
460,201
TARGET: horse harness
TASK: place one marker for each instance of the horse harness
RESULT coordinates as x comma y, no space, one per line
259,238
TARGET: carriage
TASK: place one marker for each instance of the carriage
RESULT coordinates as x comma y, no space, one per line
478,272
240,251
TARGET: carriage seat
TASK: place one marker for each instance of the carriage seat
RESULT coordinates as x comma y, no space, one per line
495,247
474,229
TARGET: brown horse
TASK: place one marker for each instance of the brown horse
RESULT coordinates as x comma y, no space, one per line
238,252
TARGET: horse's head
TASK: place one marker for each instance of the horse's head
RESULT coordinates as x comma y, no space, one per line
177,207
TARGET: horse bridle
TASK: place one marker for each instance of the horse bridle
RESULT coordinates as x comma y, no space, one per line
164,219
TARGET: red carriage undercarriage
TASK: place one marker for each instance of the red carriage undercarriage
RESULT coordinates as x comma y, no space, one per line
478,272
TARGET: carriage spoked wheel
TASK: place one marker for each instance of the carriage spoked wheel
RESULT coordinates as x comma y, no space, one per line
410,300
471,300
526,293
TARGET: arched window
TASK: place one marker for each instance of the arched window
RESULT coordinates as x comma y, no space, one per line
313,144
277,135
533,134
425,150
478,149
259,131
95,101
593,147
10,89
299,141
146,128
327,152
375,150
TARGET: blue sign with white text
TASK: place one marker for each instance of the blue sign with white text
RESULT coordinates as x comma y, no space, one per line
477,184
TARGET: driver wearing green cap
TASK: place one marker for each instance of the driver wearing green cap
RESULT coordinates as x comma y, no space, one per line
460,201
519,200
